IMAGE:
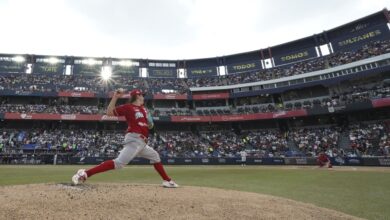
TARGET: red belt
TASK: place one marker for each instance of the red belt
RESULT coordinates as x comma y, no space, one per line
141,136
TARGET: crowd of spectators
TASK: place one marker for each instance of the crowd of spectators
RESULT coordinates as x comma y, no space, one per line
353,94
157,86
362,93
59,83
219,144
368,139
267,143
363,140
78,142
57,109
179,144
312,141
45,83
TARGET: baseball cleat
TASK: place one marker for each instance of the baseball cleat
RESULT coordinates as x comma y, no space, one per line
169,184
79,177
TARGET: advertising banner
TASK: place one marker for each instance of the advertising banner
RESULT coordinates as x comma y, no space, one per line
170,96
87,70
222,95
311,161
163,72
360,38
377,103
382,161
77,94
47,68
186,161
69,117
190,118
244,66
266,161
348,161
295,56
201,72
300,161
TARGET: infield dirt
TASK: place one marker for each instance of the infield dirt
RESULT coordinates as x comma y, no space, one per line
132,201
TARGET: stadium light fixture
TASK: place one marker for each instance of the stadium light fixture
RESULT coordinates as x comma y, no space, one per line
68,70
53,60
106,73
89,62
125,63
324,49
222,70
144,72
19,59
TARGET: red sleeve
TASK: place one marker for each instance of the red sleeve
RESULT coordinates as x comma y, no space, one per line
121,110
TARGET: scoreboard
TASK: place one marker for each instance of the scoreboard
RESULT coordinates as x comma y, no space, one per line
47,68
12,67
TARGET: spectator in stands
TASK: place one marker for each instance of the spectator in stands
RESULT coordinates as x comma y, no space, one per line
370,139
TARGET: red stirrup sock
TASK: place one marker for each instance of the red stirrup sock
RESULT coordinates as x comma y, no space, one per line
105,166
160,169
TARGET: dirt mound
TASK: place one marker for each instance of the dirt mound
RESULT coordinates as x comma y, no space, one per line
129,201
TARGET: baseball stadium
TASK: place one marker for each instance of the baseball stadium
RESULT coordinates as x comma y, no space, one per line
298,130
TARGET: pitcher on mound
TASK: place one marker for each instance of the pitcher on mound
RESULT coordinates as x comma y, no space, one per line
135,143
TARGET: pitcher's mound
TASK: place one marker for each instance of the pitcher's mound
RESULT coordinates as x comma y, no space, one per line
129,201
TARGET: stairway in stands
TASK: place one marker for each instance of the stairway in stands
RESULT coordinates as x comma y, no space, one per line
292,146
344,142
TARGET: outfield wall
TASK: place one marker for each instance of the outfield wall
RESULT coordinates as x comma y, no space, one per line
65,159
346,161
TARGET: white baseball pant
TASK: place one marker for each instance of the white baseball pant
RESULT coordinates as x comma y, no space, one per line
135,146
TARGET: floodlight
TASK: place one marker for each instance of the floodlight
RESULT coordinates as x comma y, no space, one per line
19,59
89,61
106,73
52,60
125,63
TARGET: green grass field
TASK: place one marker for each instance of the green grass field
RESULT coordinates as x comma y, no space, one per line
358,192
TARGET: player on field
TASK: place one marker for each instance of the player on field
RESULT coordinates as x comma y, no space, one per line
135,143
243,157
323,160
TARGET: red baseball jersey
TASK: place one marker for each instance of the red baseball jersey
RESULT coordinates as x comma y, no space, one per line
135,118
323,158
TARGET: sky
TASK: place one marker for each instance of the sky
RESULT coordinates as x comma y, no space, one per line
167,29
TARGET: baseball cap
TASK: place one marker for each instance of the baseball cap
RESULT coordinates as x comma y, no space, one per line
136,92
